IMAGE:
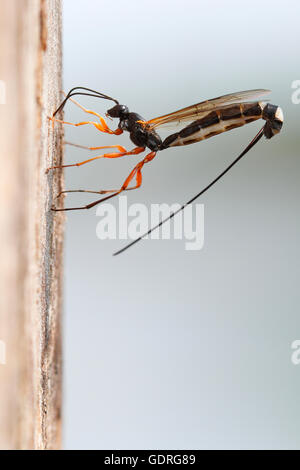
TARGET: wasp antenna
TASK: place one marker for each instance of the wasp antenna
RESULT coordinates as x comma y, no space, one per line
101,95
72,92
246,150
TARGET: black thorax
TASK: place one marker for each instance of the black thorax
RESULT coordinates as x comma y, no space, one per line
139,135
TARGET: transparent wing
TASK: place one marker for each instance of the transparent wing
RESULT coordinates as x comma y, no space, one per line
199,110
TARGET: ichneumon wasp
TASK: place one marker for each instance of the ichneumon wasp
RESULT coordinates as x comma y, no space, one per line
200,121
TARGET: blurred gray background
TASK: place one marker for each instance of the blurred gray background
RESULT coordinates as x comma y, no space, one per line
168,348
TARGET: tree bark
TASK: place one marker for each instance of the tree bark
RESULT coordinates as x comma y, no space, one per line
31,236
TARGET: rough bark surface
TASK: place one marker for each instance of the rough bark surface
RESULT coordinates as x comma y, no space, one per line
31,236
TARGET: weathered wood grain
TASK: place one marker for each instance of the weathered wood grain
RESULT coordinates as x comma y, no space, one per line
31,236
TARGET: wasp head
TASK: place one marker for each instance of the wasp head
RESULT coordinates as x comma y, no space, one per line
119,111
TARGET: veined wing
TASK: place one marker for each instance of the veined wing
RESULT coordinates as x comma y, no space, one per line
199,110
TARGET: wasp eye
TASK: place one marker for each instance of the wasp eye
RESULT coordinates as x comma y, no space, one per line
118,111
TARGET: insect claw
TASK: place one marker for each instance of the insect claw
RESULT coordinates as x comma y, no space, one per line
52,120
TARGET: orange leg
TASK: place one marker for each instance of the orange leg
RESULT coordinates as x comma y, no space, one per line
101,191
102,126
85,147
136,172
122,152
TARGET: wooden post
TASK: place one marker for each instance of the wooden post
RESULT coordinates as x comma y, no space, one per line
31,235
